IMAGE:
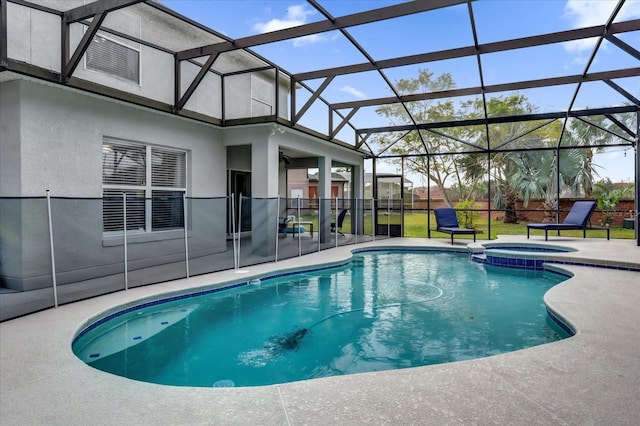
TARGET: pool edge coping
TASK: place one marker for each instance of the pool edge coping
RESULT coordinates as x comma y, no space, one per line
558,397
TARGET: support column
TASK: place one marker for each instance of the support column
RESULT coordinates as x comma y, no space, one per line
264,168
264,191
357,182
324,192
637,182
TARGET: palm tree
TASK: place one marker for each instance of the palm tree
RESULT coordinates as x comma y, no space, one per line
535,175
598,131
504,138
504,195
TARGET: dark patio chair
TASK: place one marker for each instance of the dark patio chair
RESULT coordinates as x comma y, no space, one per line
577,219
447,222
340,221
283,223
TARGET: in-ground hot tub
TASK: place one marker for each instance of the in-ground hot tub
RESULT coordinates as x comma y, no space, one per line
517,255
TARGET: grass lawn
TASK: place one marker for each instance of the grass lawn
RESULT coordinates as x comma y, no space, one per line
415,225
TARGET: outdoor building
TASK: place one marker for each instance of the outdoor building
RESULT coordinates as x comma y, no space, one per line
132,136
106,123
303,184
351,212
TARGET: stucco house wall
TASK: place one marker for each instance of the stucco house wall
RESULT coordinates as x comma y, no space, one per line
51,138
54,142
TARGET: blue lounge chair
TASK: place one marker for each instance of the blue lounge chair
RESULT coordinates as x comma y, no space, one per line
578,218
447,222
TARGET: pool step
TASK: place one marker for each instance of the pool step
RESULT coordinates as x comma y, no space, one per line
131,333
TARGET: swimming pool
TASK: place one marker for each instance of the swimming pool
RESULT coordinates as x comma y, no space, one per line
384,310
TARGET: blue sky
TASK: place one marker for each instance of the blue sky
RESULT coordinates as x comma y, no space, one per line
443,29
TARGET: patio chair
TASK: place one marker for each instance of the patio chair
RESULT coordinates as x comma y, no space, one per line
447,222
340,221
578,218
283,223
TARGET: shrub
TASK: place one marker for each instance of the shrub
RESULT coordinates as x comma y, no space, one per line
467,213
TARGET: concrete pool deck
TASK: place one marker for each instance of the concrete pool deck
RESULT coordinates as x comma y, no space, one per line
590,378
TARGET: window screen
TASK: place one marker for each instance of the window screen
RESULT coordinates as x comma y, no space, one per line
110,57
167,210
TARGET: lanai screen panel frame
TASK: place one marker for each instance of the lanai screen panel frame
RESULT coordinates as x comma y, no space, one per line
214,56
207,51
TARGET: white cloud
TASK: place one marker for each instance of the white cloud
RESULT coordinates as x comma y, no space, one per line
587,13
310,39
579,46
578,61
353,91
296,15
630,10
584,13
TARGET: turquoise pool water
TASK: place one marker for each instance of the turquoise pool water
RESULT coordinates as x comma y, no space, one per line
384,310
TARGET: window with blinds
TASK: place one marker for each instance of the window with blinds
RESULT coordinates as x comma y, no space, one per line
154,180
124,164
168,168
107,56
168,184
113,211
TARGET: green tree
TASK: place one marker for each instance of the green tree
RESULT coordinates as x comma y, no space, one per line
455,158
583,133
505,140
536,176
594,133
444,169
506,137
608,197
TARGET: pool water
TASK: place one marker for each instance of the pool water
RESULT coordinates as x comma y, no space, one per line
385,310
